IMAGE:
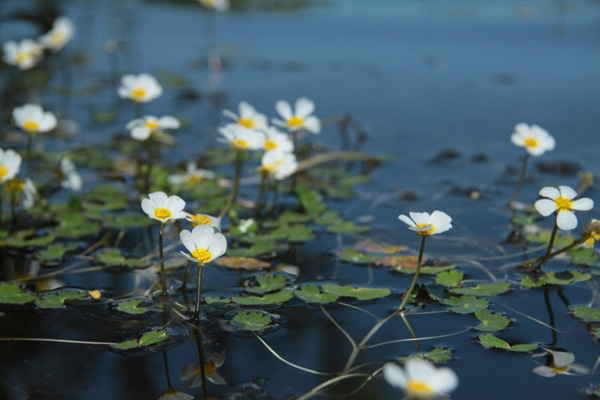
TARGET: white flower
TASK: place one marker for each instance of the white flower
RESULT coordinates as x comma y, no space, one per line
300,117
162,208
593,231
218,5
175,395
141,88
17,186
561,201
421,379
143,127
425,224
245,224
535,139
10,162
277,140
204,244
242,138
32,119
278,164
62,31
562,363
248,117
72,180
212,362
24,54
193,175
204,219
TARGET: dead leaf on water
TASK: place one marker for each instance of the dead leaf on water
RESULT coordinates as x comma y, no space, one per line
248,263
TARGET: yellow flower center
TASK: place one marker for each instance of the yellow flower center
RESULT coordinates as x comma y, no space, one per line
209,368
427,232
138,93
202,255
247,122
3,171
418,388
195,178
57,38
162,213
270,144
558,370
240,143
152,125
199,220
531,142
563,204
31,126
15,185
295,121
208,3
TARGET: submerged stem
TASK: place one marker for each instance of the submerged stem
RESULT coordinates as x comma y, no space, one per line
414,281
163,276
521,180
239,159
198,292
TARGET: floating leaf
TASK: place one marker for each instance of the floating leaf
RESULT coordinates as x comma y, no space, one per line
271,298
310,199
311,294
586,314
127,221
354,256
126,345
450,278
371,246
292,233
267,283
132,306
55,251
24,239
584,256
153,337
259,248
358,293
523,219
242,263
544,237
254,321
437,355
73,225
466,304
408,265
57,299
487,289
554,278
347,227
491,322
114,258
11,293
488,340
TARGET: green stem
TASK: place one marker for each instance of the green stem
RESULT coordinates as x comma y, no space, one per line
239,158
414,281
557,252
198,292
163,275
412,332
550,245
201,360
521,180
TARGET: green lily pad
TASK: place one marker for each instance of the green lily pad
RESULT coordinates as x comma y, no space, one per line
132,306
310,199
271,298
347,227
127,221
267,283
487,289
311,294
488,340
358,293
354,256
261,247
11,293
371,246
58,299
544,237
73,225
491,322
254,321
523,219
586,314
584,256
555,278
291,233
329,217
436,355
148,339
450,278
55,251
22,239
114,258
466,304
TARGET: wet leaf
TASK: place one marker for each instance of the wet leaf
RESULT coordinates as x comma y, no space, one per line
450,278
565,277
259,248
583,256
129,344
11,293
310,199
267,283
73,225
58,299
271,298
153,337
253,321
437,355
586,314
488,340
544,237
354,256
487,289
55,251
242,263
523,219
358,293
371,246
311,294
347,227
491,322
16,240
466,304
292,233
132,306
114,258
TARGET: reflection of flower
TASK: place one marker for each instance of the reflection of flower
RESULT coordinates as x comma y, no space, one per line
140,88
278,164
562,364
32,119
16,186
24,54
162,208
72,178
193,175
204,244
421,379
561,201
173,394
241,138
277,140
248,117
62,31
10,163
194,372
535,139
425,224
204,219
143,127
218,5
298,118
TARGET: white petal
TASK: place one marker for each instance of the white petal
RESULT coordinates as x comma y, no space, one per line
168,122
284,109
517,139
304,107
579,369
419,218
313,125
218,246
189,257
566,220
159,199
246,110
562,358
141,132
47,122
545,206
231,115
175,204
567,192
444,381
188,371
550,192
544,371
187,239
583,204
148,207
394,375
203,235
422,228
419,369
279,123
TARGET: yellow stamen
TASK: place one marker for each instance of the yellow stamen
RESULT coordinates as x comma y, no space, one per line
563,204
199,220
531,142
240,143
270,144
202,255
3,171
138,93
427,232
31,126
15,185
247,122
295,121
152,125
195,178
162,213
558,370
419,388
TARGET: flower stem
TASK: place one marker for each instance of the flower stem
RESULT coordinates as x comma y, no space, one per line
198,292
521,180
557,252
414,281
163,276
550,245
239,159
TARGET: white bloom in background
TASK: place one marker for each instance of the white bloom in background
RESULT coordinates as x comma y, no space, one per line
425,224
194,372
162,208
245,224
142,128
204,219
72,180
141,88
421,379
10,163
24,54
535,139
204,244
561,201
562,363
32,119
192,175
278,164
298,118
593,230
248,117
218,5
242,138
26,187
277,140
61,33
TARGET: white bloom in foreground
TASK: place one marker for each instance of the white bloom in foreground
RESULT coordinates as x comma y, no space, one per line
242,138
203,243
278,164
298,118
192,175
248,117
24,54
10,163
26,187
535,139
141,88
194,372
204,219
562,363
561,201
142,128
421,379
218,5
425,224
72,180
32,119
162,208
277,140
62,31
